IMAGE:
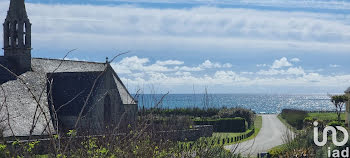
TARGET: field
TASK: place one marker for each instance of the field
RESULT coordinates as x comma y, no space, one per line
326,116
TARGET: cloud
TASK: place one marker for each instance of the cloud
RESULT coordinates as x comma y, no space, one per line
208,65
177,76
289,71
295,60
169,62
131,64
334,65
283,62
285,4
261,65
201,28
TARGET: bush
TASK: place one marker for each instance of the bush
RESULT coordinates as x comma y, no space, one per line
248,115
225,124
294,117
335,123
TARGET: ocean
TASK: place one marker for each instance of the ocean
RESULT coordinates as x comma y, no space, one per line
260,103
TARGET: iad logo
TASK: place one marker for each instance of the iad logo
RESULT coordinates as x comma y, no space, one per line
334,135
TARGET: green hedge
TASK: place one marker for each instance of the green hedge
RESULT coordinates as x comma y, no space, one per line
294,117
225,124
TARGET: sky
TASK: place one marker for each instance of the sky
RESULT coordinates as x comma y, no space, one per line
181,46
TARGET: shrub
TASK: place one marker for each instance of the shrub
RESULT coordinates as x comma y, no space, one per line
248,115
294,117
225,124
335,123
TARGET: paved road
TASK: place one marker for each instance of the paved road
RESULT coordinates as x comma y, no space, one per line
272,133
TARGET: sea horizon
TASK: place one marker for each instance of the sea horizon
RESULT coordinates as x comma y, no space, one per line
259,103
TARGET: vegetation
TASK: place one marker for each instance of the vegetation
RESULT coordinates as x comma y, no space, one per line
225,124
248,115
194,112
325,116
300,144
257,127
294,117
339,102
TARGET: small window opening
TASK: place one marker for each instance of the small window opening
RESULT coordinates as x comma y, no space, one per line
10,41
16,25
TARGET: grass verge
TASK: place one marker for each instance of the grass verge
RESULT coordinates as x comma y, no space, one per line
329,116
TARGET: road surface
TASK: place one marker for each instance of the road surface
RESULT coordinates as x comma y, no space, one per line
272,133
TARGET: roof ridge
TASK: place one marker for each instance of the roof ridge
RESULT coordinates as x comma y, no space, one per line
92,62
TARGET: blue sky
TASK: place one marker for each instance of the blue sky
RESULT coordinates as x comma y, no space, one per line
243,46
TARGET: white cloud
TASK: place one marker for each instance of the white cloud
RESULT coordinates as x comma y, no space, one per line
261,65
129,65
208,65
334,65
283,62
169,62
289,71
186,68
202,28
295,60
144,72
292,4
227,65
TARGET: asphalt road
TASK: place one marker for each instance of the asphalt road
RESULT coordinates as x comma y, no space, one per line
272,133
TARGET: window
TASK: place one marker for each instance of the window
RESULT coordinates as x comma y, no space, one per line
107,111
15,25
10,42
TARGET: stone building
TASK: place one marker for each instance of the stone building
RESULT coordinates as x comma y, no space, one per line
39,96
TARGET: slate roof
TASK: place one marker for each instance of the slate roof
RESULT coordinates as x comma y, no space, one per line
22,106
4,74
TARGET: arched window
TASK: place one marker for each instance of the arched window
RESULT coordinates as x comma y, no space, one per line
10,41
107,111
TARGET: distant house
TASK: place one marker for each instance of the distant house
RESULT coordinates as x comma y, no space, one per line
51,94
347,109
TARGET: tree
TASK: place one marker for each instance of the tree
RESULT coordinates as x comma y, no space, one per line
339,101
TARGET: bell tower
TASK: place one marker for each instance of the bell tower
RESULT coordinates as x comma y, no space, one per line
17,37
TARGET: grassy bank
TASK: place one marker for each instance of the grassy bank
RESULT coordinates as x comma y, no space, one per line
329,116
